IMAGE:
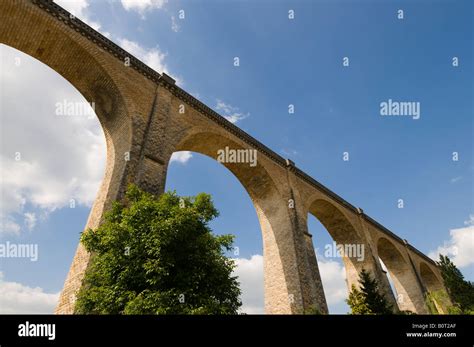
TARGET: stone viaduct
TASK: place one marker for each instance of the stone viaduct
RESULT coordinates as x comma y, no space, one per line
139,110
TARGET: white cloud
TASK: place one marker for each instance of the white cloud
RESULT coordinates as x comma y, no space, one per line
17,298
79,8
43,178
460,247
250,276
289,152
195,94
8,225
333,276
230,113
142,6
153,57
174,24
222,106
455,179
30,220
62,157
470,221
181,157
250,273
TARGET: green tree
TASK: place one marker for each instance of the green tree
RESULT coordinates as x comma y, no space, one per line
157,255
368,300
461,292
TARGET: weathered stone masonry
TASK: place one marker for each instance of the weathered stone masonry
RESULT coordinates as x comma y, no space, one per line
138,109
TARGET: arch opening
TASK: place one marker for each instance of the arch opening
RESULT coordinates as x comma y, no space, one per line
344,252
331,268
54,152
190,173
279,262
343,234
390,281
408,293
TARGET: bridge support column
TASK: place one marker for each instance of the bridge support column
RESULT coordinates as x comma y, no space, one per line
113,186
313,297
129,160
291,275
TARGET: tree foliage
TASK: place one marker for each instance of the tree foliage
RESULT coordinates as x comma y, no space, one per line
157,255
461,292
367,299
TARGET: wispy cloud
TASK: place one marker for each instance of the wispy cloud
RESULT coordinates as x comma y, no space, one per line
229,112
456,179
174,24
470,221
8,226
289,152
143,6
153,57
80,9
30,220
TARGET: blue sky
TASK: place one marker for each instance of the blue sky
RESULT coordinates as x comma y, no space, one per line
282,62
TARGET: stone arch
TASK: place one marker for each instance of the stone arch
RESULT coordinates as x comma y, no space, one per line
409,293
67,57
72,56
348,229
429,278
105,107
434,286
256,180
282,285
343,233
52,45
